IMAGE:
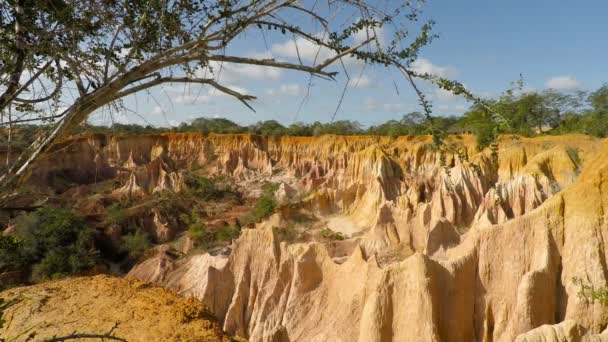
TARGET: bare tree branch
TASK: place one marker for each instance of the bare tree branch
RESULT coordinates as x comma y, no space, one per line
55,91
19,63
76,336
271,63
344,53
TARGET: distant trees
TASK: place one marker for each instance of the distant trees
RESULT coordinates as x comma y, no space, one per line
480,122
272,127
595,122
269,127
410,124
547,112
216,125
526,114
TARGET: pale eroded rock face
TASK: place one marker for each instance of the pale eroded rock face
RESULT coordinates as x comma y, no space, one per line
487,252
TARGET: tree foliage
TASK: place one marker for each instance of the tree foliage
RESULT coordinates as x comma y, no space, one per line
110,50
51,242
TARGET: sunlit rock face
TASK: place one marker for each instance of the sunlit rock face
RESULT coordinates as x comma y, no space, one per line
466,250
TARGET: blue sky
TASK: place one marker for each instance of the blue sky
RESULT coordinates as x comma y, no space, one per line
484,44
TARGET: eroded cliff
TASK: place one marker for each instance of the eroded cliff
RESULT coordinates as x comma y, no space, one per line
466,249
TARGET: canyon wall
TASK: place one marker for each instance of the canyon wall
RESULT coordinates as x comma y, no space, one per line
461,250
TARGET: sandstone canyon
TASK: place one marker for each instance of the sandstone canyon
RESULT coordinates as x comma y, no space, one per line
373,238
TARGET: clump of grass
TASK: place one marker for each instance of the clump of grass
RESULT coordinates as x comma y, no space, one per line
589,293
266,204
197,230
287,233
329,234
207,189
203,237
227,233
136,244
115,214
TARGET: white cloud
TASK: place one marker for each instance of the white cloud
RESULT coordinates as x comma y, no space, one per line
424,66
360,82
157,110
192,94
362,35
444,95
308,51
452,109
120,118
372,105
254,71
215,92
303,48
292,89
233,73
562,83
192,98
393,107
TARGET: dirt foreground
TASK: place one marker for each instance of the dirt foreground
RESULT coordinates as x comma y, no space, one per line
93,305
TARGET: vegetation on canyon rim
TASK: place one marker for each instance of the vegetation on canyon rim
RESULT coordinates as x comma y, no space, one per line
124,47
108,52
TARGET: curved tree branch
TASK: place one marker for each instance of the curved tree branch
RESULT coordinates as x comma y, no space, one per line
55,91
241,97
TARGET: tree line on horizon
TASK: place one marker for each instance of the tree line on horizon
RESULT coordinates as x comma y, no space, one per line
528,114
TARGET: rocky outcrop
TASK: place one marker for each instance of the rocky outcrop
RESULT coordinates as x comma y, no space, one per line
499,282
484,250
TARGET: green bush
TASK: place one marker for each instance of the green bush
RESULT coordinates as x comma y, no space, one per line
136,244
10,253
269,188
115,214
54,243
264,207
197,230
203,188
227,233
266,204
331,235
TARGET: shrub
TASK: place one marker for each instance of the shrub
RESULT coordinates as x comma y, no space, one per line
55,243
574,156
589,293
269,188
115,214
10,253
136,244
264,207
202,187
287,233
266,204
197,230
227,233
331,235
